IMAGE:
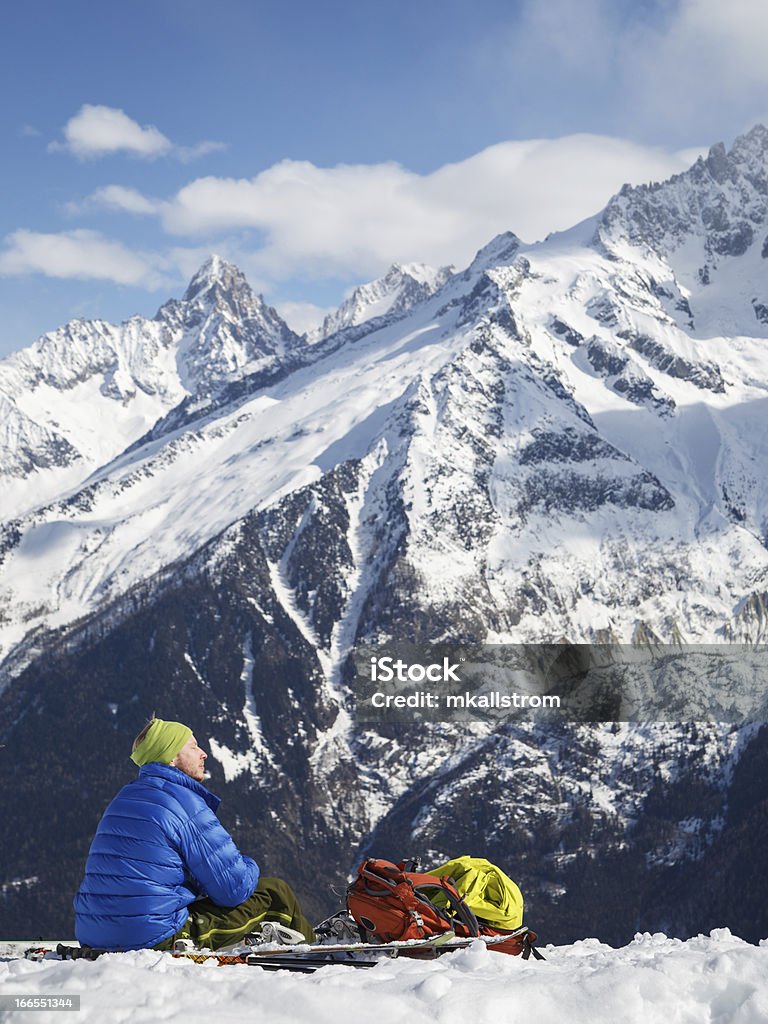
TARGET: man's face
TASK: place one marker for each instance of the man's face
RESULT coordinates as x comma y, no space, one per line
191,760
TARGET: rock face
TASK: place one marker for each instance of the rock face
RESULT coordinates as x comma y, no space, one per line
720,200
562,442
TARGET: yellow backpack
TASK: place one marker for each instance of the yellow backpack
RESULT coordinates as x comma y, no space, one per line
491,895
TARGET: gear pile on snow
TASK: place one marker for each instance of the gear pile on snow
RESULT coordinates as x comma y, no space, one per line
469,896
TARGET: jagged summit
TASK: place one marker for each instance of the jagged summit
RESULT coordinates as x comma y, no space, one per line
747,159
501,249
402,287
234,325
749,152
420,272
131,375
721,200
216,274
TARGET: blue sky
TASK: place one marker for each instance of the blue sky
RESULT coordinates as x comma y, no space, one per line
315,144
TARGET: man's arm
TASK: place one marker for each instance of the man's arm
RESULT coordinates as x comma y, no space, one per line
223,873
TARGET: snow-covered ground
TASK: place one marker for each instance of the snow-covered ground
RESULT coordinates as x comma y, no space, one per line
707,980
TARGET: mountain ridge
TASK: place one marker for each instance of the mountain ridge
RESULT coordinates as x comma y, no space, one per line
398,291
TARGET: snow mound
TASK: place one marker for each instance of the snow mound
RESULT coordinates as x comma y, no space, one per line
653,979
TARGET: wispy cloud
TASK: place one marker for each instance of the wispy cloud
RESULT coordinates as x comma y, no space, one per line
98,131
80,254
656,65
118,198
703,53
188,153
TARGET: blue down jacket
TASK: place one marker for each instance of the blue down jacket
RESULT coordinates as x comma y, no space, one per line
158,848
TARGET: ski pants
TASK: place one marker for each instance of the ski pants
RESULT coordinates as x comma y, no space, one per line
214,926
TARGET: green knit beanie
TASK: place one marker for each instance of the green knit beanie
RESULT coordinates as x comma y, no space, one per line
162,743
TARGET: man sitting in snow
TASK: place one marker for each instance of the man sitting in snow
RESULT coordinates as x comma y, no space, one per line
162,867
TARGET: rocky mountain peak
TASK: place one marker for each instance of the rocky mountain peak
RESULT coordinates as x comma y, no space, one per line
231,325
747,158
721,199
226,323
500,250
402,287
132,375
718,164
750,149
219,277
419,272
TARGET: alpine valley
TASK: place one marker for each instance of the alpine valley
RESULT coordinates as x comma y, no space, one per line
203,514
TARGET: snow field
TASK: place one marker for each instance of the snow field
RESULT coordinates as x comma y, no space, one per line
717,979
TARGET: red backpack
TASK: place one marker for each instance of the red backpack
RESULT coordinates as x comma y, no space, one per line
391,904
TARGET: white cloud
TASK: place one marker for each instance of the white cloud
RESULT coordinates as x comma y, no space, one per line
303,316
90,256
97,131
118,198
188,153
349,223
86,255
356,220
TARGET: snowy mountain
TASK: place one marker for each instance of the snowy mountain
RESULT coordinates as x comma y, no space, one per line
82,394
561,443
391,296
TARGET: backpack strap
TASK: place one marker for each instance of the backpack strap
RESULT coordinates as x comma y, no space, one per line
380,872
529,947
447,887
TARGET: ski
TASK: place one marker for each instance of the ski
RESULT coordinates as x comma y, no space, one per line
320,955
30,949
288,960
304,957
306,965
295,961
411,947
247,954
